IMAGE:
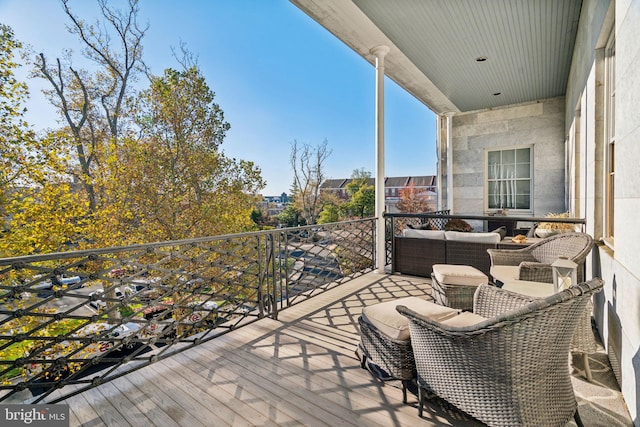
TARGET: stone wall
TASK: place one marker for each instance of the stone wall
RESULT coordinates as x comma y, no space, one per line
617,307
540,124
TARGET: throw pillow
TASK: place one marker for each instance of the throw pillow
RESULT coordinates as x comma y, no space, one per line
502,231
426,226
457,225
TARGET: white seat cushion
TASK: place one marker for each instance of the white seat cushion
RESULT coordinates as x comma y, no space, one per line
386,319
505,273
460,236
464,275
466,318
424,234
532,289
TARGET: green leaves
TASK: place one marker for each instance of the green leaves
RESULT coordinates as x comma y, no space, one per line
118,173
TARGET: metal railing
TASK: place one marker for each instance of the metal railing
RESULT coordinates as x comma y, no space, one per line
83,318
396,222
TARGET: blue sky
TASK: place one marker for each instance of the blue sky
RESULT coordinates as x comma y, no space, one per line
278,76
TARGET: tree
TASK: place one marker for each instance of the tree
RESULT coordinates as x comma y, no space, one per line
307,163
291,217
15,137
413,200
362,195
183,185
330,213
39,215
92,105
47,218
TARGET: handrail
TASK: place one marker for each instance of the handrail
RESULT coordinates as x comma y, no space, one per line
487,217
117,249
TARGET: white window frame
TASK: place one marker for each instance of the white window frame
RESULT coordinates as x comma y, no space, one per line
610,138
531,178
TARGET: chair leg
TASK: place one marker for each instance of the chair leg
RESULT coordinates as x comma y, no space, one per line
420,400
404,391
577,419
362,357
587,368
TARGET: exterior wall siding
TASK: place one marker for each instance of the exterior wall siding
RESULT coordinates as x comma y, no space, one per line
540,124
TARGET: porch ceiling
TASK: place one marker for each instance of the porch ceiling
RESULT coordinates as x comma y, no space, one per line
434,44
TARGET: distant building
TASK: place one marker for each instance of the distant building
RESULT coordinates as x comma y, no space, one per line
273,205
393,187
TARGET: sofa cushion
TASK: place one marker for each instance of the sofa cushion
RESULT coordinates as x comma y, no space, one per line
463,275
473,237
466,318
389,322
505,273
424,234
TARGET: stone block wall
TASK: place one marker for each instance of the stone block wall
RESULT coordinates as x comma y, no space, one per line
539,124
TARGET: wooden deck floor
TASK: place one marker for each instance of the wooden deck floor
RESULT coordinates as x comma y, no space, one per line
298,370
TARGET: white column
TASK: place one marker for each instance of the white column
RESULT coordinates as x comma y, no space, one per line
381,256
449,162
439,168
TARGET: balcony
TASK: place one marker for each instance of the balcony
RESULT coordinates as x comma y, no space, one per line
274,346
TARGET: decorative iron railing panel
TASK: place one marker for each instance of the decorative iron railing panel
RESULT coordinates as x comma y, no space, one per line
84,318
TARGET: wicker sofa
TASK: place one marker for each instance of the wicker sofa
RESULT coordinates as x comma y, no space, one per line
416,251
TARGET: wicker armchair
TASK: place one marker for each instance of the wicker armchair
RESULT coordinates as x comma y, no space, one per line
533,263
509,369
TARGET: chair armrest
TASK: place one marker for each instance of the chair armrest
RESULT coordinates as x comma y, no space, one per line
510,256
536,272
491,301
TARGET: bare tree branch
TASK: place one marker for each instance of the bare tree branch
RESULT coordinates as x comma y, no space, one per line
307,164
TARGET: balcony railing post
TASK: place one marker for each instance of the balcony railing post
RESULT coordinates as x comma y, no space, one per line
392,235
273,289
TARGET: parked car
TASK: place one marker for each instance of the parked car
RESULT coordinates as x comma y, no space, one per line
97,303
65,349
62,280
164,317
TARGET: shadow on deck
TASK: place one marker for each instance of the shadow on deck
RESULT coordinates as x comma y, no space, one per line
299,370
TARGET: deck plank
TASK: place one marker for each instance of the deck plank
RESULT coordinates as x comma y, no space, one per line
162,396
144,404
83,411
254,371
122,402
222,391
108,413
282,407
335,377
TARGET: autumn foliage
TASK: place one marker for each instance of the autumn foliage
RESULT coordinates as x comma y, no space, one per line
125,166
413,200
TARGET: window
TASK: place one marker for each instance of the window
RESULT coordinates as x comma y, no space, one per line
509,178
610,129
